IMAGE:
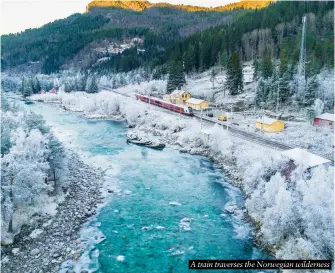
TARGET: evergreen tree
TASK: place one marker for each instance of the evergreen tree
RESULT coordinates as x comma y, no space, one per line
56,159
26,87
260,97
310,113
68,87
263,91
83,82
224,59
266,67
273,92
213,77
255,65
312,86
22,85
283,62
176,76
35,85
234,79
93,86
284,88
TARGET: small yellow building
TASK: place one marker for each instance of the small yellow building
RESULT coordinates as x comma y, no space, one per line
177,97
270,125
197,104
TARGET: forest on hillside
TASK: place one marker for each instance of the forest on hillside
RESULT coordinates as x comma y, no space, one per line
198,39
60,44
275,29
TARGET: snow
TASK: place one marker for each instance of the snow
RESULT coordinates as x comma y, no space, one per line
177,92
160,227
185,224
326,116
120,258
15,250
174,203
34,234
267,120
305,158
194,101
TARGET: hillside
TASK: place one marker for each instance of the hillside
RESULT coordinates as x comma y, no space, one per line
275,30
143,5
119,36
75,42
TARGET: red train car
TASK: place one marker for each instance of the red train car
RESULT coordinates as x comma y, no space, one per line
182,109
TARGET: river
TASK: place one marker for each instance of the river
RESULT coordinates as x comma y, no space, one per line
163,207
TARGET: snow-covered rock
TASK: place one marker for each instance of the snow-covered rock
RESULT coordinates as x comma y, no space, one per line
120,258
35,233
174,203
185,223
35,252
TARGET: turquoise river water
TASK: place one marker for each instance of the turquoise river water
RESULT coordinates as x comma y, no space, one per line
166,207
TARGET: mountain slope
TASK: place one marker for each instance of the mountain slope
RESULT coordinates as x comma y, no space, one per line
108,39
75,42
275,30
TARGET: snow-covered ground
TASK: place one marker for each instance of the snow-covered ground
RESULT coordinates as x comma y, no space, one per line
296,134
203,85
107,104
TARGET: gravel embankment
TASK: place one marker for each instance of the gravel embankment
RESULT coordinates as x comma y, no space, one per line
60,238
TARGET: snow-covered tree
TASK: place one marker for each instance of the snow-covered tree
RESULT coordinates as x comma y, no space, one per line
29,153
318,107
311,90
26,87
176,76
93,85
56,159
234,80
24,169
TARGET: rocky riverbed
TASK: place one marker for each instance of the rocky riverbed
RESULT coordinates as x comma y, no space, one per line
50,241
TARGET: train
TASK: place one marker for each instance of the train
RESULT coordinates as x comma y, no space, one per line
182,109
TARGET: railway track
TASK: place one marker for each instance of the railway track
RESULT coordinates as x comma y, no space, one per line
252,137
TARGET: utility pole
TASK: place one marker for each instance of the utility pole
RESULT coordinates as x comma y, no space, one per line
10,224
231,114
149,100
227,122
201,118
263,121
222,116
302,60
277,105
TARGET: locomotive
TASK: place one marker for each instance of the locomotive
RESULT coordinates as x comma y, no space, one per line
182,109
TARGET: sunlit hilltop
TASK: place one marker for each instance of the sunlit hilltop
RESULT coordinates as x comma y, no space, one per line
142,5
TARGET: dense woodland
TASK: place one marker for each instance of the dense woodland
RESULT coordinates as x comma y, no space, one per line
275,29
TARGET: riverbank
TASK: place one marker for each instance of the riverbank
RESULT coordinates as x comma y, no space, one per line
50,241
186,141
285,220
